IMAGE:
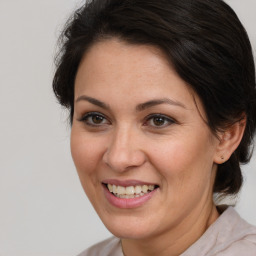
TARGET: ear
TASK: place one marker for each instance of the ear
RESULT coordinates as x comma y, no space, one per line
229,140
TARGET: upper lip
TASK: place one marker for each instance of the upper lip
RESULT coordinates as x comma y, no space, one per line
126,183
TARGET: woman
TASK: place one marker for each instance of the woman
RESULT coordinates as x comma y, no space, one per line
162,105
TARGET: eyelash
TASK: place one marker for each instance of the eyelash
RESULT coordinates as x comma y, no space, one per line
91,115
167,120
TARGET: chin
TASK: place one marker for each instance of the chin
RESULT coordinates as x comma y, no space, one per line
128,227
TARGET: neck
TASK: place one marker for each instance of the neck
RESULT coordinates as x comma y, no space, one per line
173,242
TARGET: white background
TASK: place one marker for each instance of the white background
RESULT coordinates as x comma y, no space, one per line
43,210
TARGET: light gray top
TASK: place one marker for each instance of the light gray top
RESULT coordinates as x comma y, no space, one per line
229,235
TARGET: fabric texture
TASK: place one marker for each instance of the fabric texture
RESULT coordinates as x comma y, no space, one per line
229,235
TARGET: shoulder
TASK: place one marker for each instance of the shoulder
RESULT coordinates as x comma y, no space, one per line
244,246
229,235
108,247
236,237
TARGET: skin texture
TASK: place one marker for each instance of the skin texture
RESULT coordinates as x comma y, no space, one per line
180,155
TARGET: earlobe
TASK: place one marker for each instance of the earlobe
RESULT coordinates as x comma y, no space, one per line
229,140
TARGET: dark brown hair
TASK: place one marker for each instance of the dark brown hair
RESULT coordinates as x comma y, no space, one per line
206,44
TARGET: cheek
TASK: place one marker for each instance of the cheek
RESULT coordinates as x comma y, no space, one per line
183,160
86,154
172,155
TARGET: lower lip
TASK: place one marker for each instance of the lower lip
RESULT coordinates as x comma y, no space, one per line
128,203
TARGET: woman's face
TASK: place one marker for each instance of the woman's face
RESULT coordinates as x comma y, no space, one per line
138,132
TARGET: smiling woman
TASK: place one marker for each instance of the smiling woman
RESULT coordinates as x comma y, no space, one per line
162,107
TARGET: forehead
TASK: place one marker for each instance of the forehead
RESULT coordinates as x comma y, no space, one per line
110,53
114,67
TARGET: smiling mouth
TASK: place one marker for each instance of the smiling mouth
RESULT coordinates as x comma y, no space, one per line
130,191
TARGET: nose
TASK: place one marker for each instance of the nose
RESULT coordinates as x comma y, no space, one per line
124,151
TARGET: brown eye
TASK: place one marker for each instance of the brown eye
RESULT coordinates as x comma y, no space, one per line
158,121
96,119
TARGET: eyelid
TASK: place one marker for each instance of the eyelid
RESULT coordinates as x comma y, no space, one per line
146,120
91,114
167,118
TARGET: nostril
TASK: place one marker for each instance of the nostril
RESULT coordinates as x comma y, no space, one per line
120,159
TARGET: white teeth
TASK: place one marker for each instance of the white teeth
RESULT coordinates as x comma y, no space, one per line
151,187
110,188
114,189
121,190
138,189
131,191
145,188
129,196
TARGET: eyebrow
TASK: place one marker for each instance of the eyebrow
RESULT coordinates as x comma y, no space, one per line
156,102
140,107
93,101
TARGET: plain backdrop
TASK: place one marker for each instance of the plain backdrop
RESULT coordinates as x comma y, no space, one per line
43,209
